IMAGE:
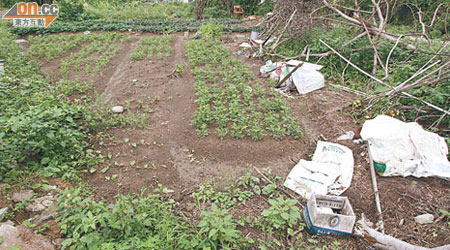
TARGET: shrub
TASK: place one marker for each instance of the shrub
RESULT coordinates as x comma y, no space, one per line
211,31
70,10
40,129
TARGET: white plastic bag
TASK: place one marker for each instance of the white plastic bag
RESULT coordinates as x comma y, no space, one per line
307,78
406,148
329,172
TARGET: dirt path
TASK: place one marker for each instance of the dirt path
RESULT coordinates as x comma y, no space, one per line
116,84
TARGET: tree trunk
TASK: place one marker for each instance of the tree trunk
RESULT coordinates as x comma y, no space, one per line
198,9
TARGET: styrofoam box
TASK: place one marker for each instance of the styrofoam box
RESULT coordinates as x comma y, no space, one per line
326,214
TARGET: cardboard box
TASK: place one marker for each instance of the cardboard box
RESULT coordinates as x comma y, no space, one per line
326,214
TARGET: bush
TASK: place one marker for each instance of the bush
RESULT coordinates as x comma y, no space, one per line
215,12
40,129
70,10
211,31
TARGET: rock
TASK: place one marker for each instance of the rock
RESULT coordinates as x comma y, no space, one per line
2,211
49,213
24,195
35,207
401,223
40,204
58,242
424,219
20,41
117,109
8,222
23,237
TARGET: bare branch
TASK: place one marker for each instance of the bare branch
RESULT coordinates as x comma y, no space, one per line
424,30
354,39
386,72
341,13
435,15
284,30
383,83
329,53
380,14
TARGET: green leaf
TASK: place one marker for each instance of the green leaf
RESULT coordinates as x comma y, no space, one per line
444,212
285,216
272,202
266,213
51,135
15,248
212,233
45,160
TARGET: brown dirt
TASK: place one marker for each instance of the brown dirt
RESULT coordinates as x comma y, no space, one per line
180,160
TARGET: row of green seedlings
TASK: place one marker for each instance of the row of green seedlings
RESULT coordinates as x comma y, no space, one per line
53,46
97,50
94,56
231,102
153,47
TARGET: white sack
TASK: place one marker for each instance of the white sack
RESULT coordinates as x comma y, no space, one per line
307,78
329,172
406,148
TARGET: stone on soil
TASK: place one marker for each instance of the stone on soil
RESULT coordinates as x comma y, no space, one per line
424,219
40,204
23,237
24,195
117,109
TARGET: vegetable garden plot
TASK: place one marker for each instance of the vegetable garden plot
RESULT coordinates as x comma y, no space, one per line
153,47
228,100
94,55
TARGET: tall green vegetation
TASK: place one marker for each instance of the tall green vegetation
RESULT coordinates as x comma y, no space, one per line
129,10
40,129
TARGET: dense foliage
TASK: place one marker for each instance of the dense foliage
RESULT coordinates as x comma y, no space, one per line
221,8
128,10
40,129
